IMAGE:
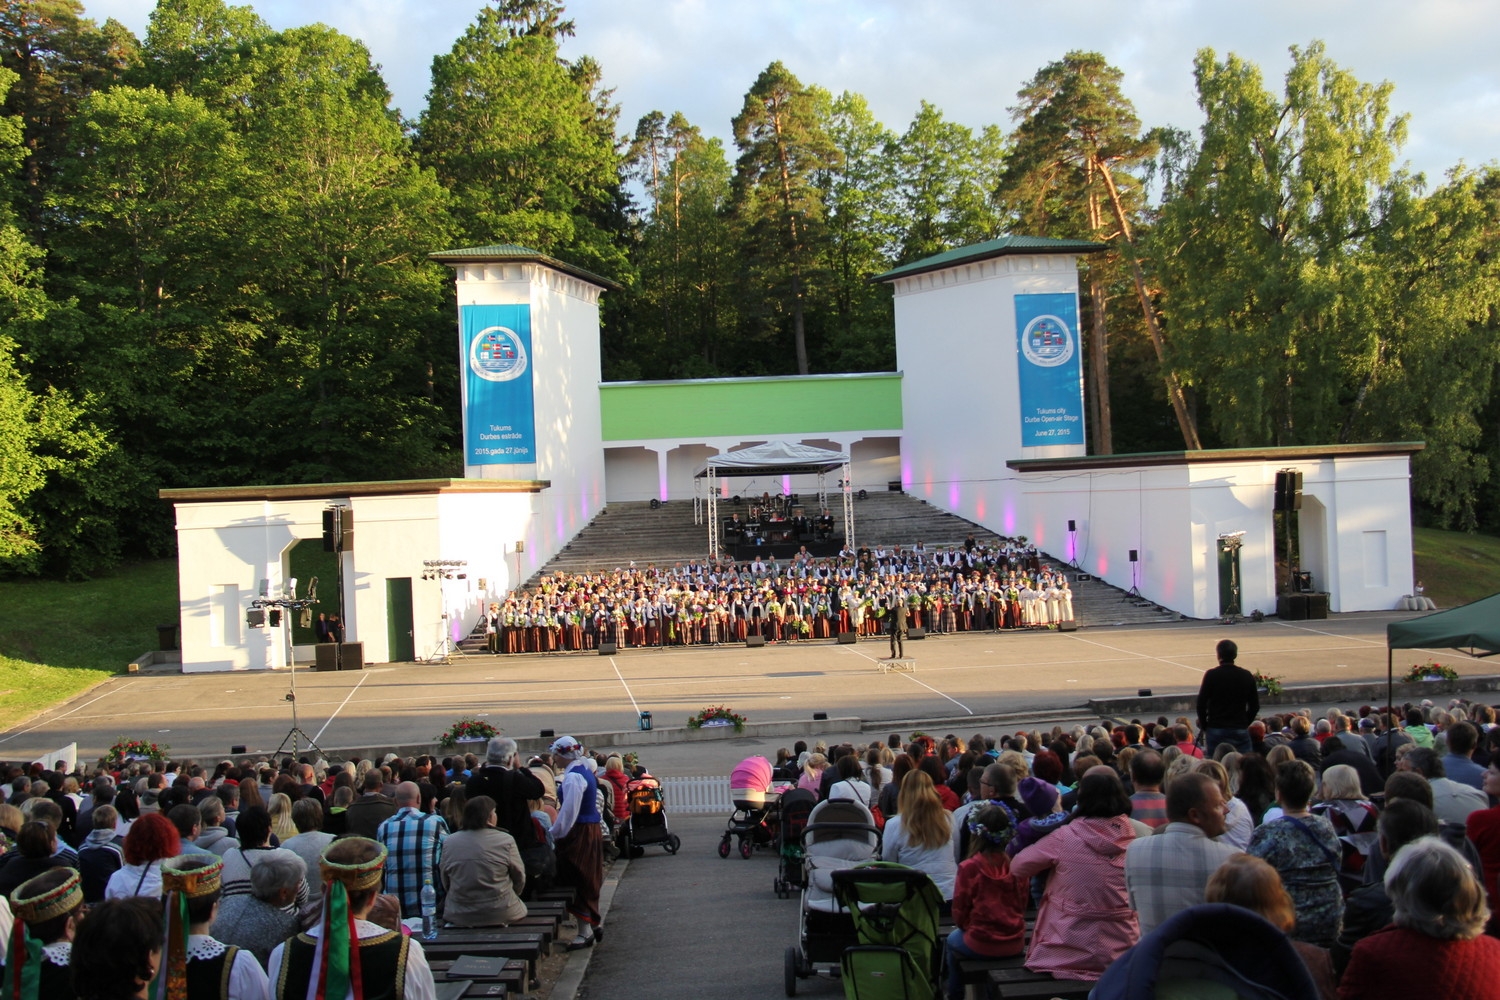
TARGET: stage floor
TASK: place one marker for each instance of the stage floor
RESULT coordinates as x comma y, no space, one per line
202,715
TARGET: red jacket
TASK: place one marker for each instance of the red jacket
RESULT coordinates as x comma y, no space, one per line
989,903
618,781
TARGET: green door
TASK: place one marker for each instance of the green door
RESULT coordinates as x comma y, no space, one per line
1229,578
400,641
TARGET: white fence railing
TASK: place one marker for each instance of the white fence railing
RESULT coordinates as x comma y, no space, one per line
697,795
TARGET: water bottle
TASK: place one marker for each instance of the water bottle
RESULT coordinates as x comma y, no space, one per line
429,911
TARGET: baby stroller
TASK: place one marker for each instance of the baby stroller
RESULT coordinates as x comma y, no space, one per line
748,784
796,806
647,823
840,834
895,910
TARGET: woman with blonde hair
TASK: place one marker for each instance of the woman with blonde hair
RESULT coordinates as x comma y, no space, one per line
812,772
1238,824
281,817
1342,802
920,834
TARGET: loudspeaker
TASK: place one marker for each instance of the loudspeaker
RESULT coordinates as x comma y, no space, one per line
1083,578
1072,525
1317,606
848,638
352,656
547,734
346,516
916,633
820,716
752,641
325,656
256,617
1067,626
607,649
1135,556
237,750
1288,490
274,618
1292,607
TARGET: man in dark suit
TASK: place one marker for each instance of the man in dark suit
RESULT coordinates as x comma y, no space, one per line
512,788
897,616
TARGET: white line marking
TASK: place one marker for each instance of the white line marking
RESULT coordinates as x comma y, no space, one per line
626,686
49,722
1333,635
336,711
1142,656
913,679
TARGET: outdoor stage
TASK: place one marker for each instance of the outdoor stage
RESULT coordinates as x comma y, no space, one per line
958,676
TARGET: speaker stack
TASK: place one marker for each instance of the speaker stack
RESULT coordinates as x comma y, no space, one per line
752,641
607,649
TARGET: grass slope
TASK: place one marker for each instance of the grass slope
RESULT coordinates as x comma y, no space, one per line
1457,568
57,639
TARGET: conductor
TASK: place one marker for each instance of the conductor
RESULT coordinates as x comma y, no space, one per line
898,630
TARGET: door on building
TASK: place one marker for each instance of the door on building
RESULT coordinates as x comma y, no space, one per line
401,643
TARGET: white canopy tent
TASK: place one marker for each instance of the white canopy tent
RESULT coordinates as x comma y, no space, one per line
774,458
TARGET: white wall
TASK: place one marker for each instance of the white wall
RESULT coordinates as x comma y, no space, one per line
1356,534
956,348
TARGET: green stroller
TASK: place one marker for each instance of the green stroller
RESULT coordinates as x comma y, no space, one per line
895,911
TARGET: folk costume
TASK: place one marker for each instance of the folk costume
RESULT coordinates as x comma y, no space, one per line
196,966
579,839
345,958
35,969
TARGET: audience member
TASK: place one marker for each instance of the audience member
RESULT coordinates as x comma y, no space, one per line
989,902
1167,872
1305,851
483,874
1247,881
117,949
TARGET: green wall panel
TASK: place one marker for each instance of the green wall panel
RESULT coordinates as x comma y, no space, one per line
750,407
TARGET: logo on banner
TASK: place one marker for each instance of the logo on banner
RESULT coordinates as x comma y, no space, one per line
1047,342
497,355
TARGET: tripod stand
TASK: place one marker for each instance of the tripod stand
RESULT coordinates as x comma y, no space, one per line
446,647
290,606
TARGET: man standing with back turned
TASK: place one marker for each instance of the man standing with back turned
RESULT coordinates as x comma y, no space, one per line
1227,701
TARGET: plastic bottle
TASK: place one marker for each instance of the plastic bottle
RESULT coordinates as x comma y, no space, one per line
429,910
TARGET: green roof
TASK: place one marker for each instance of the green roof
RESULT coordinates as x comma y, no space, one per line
1005,246
515,253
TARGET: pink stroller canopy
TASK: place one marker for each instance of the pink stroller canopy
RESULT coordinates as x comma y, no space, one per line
753,773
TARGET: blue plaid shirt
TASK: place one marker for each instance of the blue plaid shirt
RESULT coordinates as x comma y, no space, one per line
415,842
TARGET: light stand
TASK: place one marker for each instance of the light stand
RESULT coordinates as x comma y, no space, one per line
443,570
1232,545
289,605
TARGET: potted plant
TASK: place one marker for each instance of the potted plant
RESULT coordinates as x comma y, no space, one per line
1267,683
466,731
1430,671
717,715
125,749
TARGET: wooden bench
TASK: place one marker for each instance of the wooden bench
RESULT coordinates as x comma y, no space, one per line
1009,984
512,980
976,972
528,946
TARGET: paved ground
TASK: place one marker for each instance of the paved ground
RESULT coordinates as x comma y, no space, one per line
957,676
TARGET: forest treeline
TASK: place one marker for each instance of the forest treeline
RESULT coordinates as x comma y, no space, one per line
214,239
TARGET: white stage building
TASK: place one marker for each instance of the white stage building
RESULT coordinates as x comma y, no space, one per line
985,419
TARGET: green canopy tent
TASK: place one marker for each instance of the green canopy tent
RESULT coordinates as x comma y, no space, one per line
1474,627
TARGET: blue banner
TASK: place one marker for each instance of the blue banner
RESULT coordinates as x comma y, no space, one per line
500,413
1050,366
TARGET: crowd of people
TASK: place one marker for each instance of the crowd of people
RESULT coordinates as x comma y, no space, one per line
259,878
1367,838
958,588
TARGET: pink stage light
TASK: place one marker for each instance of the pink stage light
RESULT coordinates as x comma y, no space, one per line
786,486
953,495
979,510
1101,566
1009,518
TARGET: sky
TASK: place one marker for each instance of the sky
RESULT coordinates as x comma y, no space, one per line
967,57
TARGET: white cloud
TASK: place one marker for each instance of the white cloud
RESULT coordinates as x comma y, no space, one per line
968,57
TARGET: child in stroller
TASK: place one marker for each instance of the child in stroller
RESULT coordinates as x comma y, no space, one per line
840,834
